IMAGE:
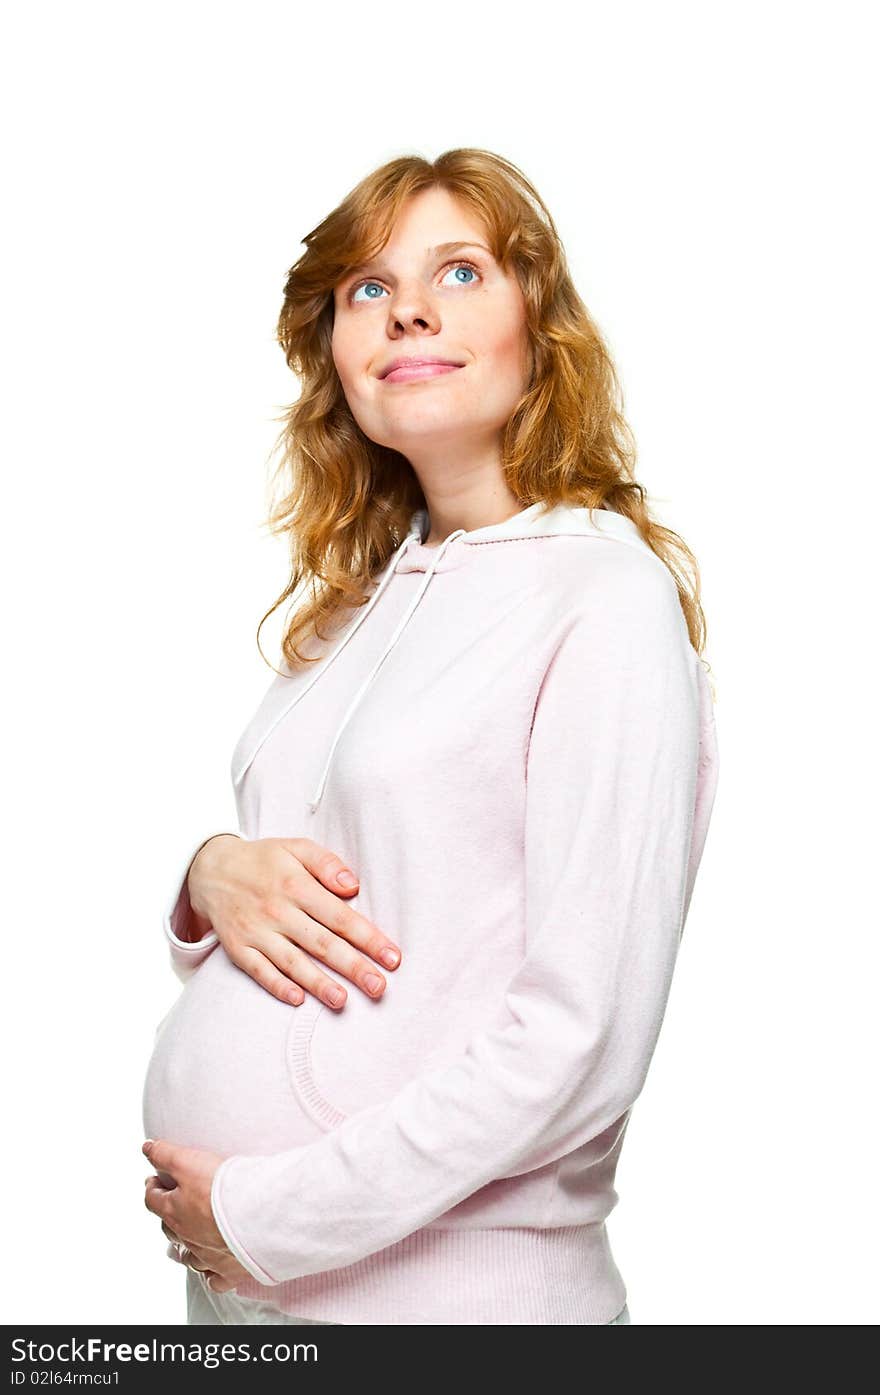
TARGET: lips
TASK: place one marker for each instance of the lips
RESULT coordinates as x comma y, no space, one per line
413,361
411,372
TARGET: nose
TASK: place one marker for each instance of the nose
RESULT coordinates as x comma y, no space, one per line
410,305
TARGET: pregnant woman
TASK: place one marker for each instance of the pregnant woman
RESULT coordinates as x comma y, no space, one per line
491,709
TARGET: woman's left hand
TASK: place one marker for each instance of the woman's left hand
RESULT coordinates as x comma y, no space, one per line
185,1211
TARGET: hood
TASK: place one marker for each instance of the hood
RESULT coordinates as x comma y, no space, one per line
537,520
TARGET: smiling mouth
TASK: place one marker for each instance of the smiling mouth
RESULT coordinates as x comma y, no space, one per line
413,372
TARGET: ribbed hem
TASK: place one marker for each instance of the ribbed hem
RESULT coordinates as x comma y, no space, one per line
566,1275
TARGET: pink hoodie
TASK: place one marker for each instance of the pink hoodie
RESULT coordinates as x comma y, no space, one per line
513,743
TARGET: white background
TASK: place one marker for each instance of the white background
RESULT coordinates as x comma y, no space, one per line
709,168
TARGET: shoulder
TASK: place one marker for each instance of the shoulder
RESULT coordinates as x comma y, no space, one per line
625,580
617,619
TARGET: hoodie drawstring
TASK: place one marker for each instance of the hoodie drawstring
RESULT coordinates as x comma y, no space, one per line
403,622
562,520
321,668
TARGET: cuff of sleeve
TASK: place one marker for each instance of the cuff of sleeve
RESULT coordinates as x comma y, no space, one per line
189,946
224,1225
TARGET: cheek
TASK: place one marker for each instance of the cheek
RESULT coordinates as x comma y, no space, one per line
344,350
501,336
508,355
338,360
352,384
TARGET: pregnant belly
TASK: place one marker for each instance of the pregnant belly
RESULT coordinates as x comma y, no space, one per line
222,1074
236,1071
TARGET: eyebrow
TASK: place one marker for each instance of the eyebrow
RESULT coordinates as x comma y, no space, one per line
432,251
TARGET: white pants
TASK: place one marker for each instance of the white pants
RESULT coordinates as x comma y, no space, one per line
203,1307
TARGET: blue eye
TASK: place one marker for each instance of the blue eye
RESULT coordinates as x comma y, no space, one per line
463,266
366,286
369,285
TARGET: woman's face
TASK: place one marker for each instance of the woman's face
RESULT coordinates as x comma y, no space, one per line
419,300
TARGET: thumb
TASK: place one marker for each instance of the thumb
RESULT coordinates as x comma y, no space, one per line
163,1156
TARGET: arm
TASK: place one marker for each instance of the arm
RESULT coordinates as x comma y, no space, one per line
189,940
611,785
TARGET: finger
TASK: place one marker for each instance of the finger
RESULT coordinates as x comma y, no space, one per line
207,1255
320,924
254,961
161,1153
324,944
319,938
189,1255
199,1256
156,1197
279,954
192,1260
324,864
331,914
173,1162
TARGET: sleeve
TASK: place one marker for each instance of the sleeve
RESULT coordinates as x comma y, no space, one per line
188,948
611,780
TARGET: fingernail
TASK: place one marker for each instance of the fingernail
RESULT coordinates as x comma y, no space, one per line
373,983
346,878
148,1145
389,958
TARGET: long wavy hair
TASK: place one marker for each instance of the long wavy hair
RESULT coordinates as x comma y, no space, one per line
345,502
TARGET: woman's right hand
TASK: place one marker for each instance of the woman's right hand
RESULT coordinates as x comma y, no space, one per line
270,899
